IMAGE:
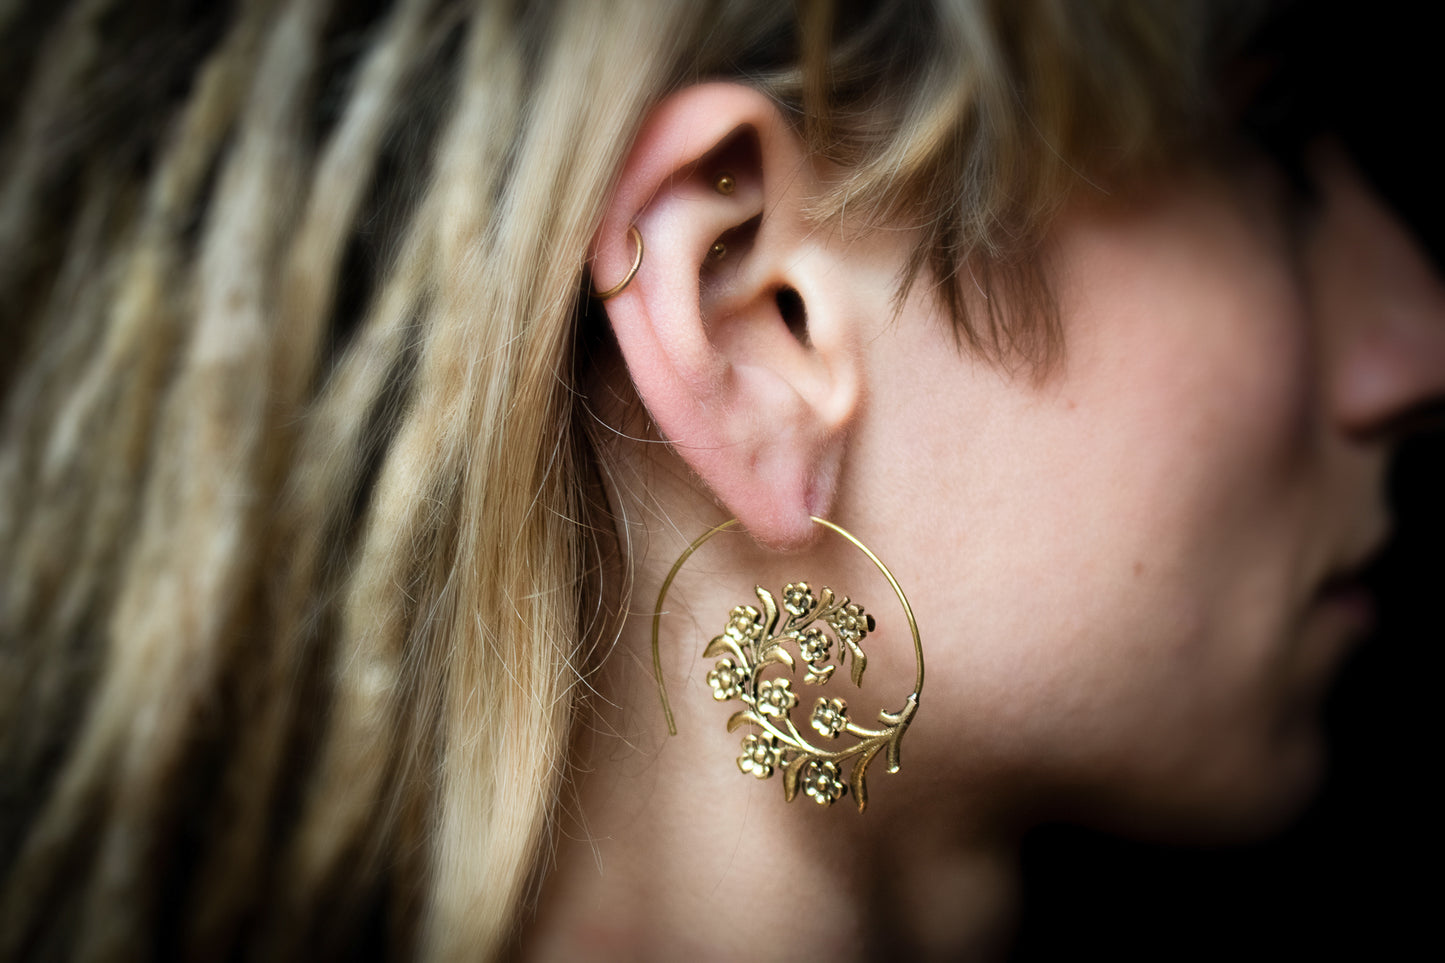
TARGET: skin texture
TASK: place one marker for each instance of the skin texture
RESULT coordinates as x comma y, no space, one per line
1131,575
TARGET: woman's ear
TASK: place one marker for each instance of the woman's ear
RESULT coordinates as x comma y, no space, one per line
737,328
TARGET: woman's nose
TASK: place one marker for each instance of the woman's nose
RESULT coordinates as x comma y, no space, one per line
1383,303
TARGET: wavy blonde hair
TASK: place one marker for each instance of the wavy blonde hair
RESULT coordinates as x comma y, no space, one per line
308,553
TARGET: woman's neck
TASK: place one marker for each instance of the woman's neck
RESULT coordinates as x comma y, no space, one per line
665,849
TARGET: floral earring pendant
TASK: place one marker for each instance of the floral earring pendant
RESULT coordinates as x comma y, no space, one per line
763,638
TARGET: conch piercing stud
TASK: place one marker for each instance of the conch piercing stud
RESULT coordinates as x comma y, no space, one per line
756,639
718,251
621,286
724,183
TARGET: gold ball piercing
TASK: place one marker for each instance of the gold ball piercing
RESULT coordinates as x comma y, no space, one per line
724,184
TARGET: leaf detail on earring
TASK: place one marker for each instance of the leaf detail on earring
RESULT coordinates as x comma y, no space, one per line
754,640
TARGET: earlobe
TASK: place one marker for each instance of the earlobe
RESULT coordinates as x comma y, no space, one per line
733,328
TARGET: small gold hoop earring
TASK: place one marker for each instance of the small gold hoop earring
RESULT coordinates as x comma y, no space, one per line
621,286
753,640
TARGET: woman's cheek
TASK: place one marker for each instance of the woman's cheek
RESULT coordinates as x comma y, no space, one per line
1176,452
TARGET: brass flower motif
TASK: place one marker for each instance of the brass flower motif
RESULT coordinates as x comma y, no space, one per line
814,646
761,755
851,623
745,624
822,783
727,680
798,599
830,716
776,697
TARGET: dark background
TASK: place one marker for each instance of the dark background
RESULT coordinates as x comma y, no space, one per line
1357,876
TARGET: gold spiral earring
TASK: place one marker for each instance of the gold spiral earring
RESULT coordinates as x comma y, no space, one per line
753,641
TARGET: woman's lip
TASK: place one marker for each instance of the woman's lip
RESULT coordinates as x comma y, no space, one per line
1344,607
1350,600
1350,583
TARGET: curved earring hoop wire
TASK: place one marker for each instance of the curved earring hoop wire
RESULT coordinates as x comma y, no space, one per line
621,286
732,523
